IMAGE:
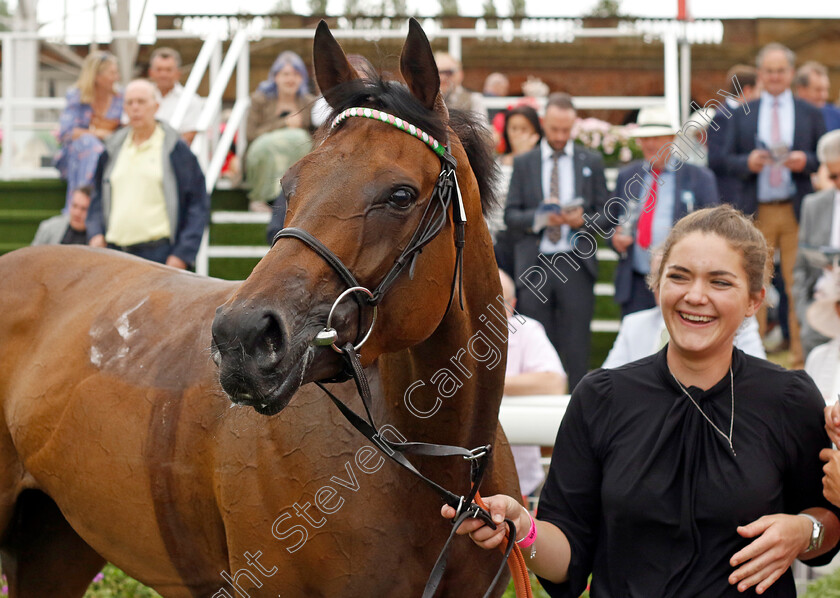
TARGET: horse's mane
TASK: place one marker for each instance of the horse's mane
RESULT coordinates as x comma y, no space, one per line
395,98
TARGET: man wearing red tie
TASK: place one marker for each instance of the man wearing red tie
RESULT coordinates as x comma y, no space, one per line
656,191
771,146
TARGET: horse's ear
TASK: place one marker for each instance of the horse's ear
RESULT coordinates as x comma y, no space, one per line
418,68
331,65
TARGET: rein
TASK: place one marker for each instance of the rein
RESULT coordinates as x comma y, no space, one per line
433,220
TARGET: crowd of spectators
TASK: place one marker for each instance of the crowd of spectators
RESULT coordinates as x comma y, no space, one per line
761,149
135,186
761,152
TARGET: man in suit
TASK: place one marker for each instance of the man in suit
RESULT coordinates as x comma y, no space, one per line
772,149
813,85
657,191
819,227
741,77
552,188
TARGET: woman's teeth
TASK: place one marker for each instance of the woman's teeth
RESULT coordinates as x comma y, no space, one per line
693,318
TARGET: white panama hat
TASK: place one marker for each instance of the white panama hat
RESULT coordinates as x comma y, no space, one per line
822,313
654,121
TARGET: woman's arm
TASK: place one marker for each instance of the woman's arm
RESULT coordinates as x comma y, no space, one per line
72,122
780,539
551,549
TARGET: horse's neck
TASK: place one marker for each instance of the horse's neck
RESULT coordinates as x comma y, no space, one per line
447,389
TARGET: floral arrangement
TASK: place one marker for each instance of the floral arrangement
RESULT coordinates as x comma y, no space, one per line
614,142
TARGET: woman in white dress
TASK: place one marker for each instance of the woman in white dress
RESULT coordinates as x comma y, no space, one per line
823,363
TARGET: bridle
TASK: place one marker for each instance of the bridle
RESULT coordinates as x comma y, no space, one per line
432,222
434,219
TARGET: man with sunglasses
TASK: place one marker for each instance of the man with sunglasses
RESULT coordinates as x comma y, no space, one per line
819,228
454,94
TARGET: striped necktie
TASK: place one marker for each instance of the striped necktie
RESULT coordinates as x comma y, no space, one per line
555,233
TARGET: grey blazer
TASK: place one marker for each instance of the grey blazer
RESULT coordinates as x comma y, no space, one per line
814,231
51,231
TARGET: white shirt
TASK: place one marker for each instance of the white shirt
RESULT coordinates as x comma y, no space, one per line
823,365
166,110
566,172
641,334
835,222
663,216
767,192
529,351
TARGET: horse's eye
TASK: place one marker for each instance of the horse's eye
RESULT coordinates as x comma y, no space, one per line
401,198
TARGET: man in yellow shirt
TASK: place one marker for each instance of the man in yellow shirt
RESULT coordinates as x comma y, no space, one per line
149,198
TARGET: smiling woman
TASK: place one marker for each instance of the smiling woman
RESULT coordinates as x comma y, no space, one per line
692,472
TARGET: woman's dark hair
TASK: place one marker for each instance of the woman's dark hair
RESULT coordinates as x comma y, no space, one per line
528,113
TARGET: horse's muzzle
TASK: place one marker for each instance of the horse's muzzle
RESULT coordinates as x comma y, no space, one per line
249,346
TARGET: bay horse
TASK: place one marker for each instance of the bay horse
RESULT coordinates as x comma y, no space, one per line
122,441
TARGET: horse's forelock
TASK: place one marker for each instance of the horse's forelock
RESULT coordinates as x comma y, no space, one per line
478,145
395,98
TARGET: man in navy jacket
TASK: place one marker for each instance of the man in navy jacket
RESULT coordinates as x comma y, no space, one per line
772,149
149,197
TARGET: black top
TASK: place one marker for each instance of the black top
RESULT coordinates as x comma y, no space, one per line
74,237
649,494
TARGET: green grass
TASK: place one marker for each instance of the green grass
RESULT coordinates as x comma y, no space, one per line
238,234
602,342
110,583
231,268
113,583
116,584
536,588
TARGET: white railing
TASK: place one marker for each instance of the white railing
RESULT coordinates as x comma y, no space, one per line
211,149
15,128
675,37
532,419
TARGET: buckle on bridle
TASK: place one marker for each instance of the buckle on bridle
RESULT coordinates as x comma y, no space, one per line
461,502
477,453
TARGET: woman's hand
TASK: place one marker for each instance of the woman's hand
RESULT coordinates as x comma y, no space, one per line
522,142
295,120
832,422
501,507
97,241
779,540
831,479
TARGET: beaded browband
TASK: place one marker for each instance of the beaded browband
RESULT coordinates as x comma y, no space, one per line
374,114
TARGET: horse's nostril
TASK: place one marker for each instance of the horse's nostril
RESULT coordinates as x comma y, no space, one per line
271,346
242,335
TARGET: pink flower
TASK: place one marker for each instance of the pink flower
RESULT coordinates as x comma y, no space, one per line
625,154
99,577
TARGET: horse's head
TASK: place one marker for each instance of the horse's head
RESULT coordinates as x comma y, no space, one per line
361,206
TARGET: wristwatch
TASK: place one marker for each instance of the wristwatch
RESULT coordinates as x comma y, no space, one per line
817,533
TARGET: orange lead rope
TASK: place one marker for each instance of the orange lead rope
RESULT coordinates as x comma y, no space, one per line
516,563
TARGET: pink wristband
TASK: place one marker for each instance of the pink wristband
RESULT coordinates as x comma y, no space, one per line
532,533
